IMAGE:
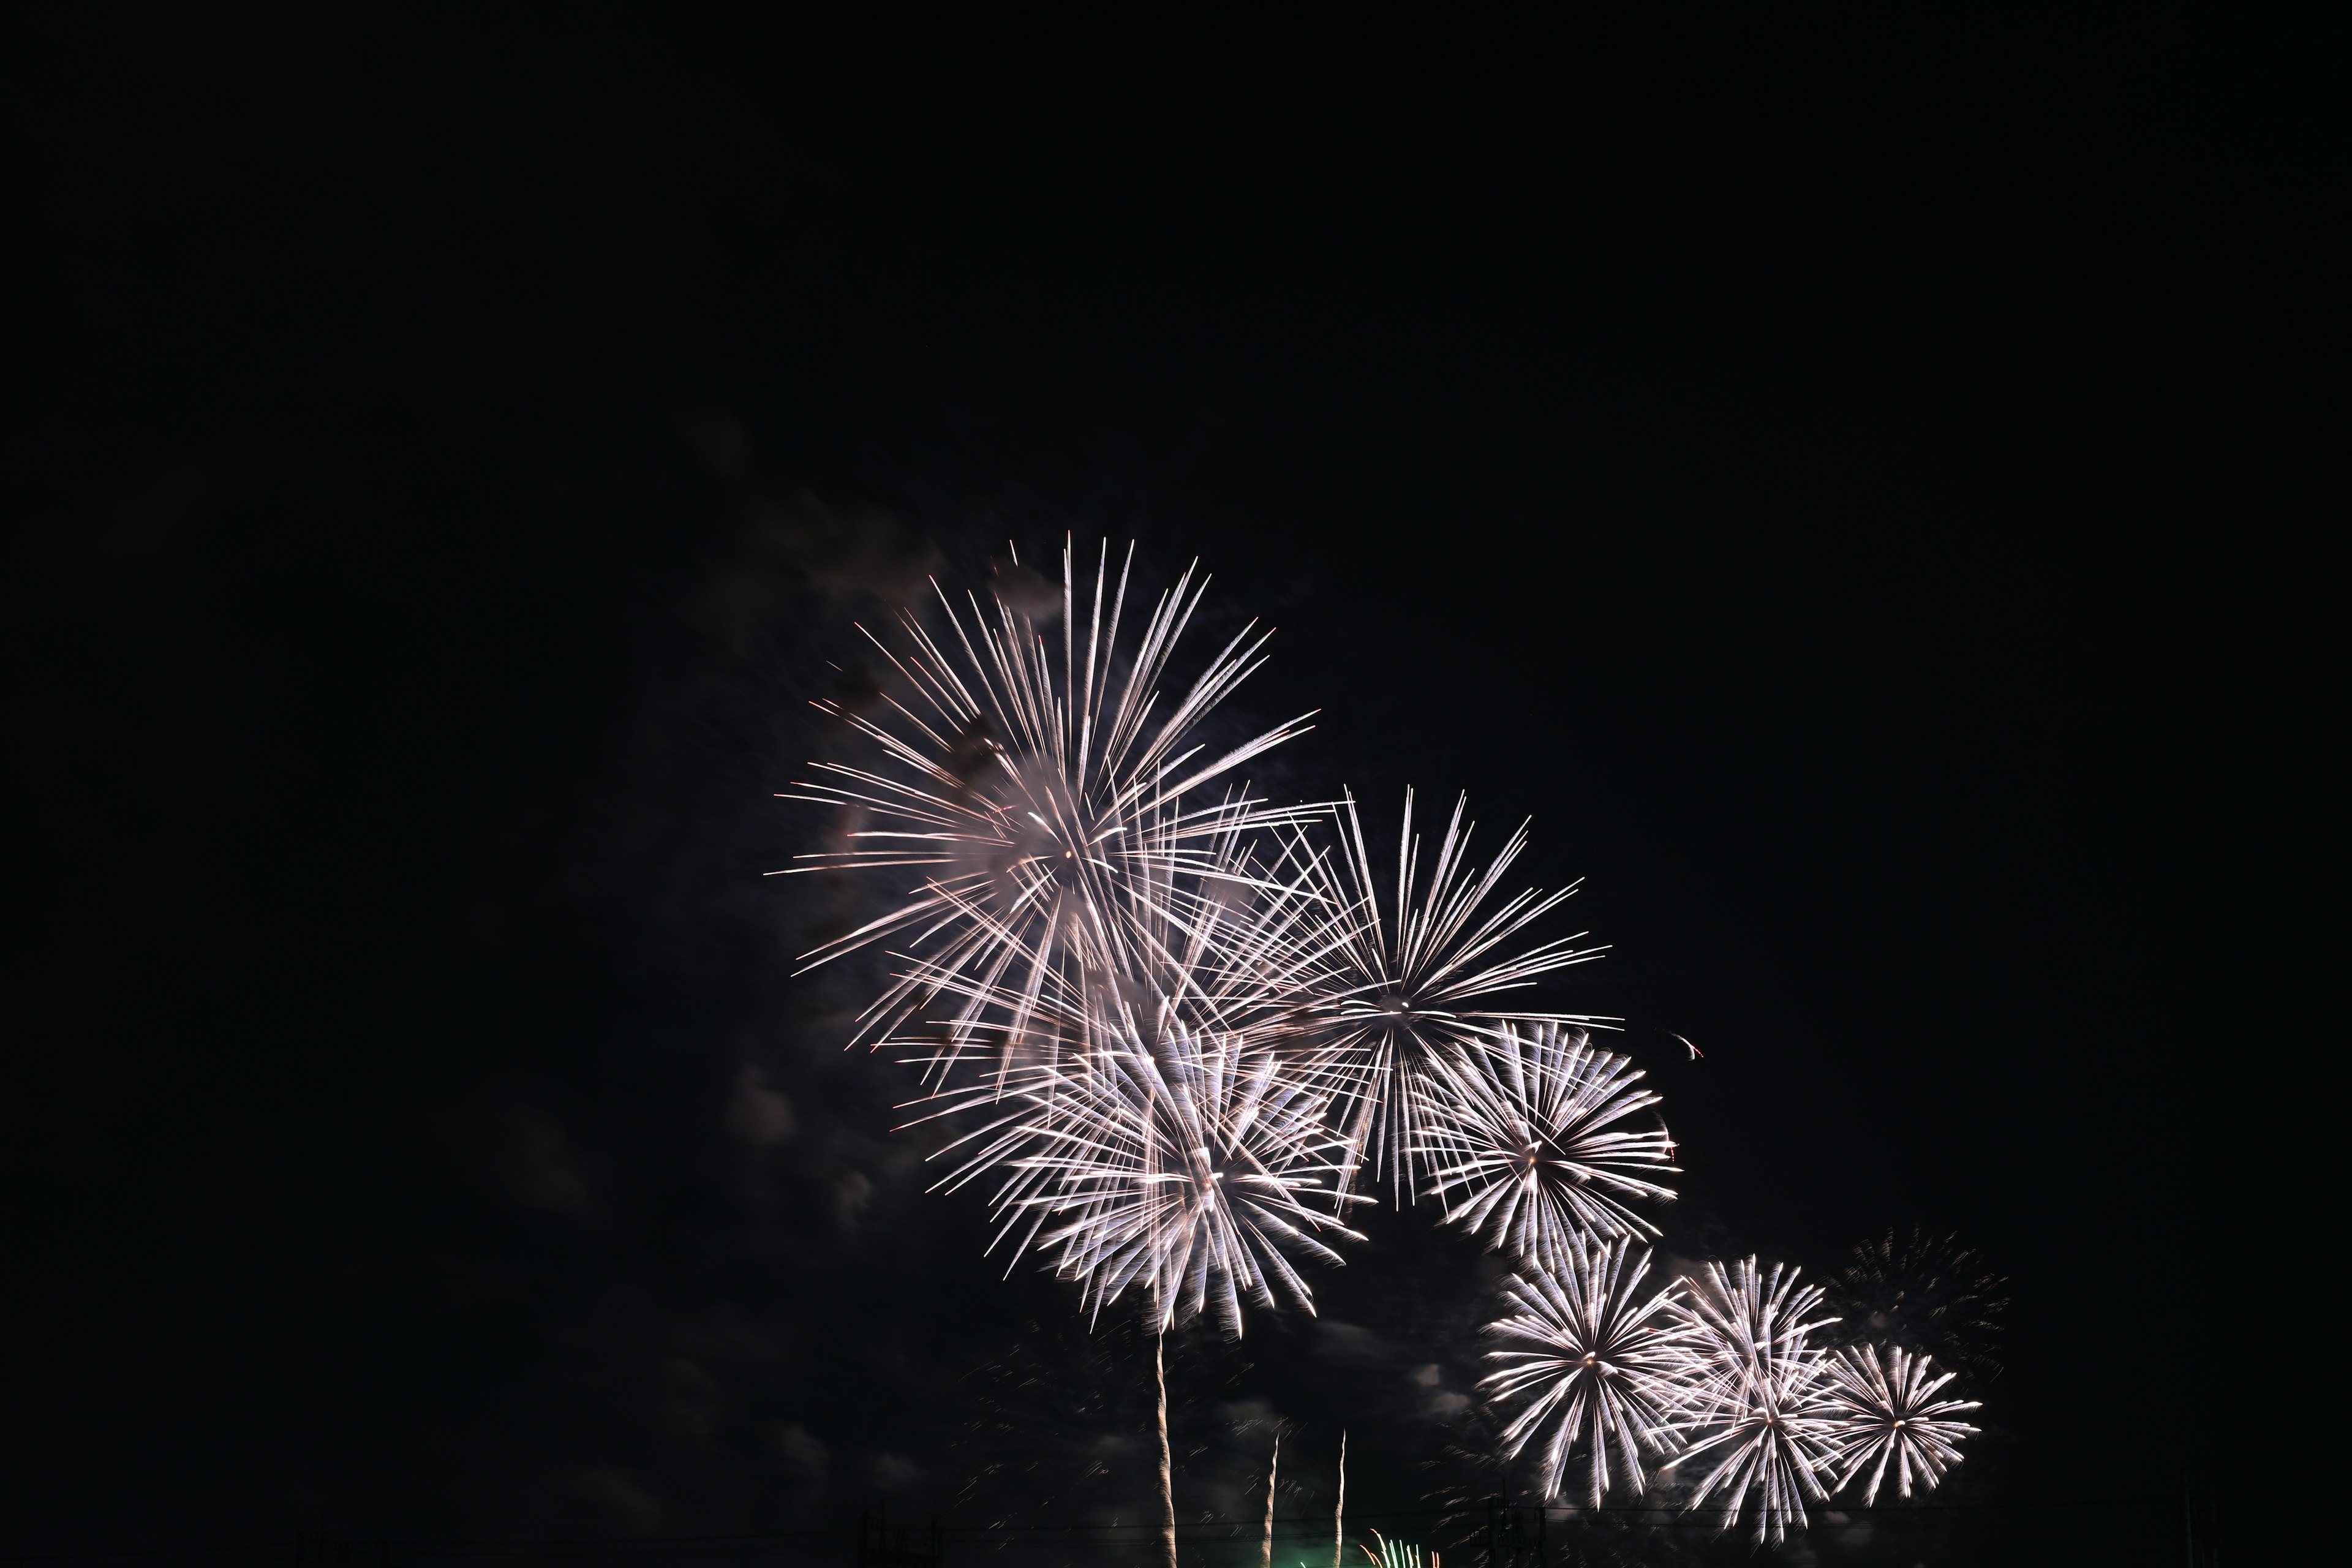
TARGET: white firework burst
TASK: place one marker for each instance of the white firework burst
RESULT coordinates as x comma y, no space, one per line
1045,808
1167,1159
1887,1412
1376,991
1608,1369
1758,1408
1198,945
1523,1136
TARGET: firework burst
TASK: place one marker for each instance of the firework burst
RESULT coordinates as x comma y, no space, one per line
1045,808
1522,1136
1199,945
1171,1160
1608,1369
1376,991
1887,1412
1758,1408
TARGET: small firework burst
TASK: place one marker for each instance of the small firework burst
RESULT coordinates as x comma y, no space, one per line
1757,1407
1523,1137
1887,1412
1171,1160
1606,1365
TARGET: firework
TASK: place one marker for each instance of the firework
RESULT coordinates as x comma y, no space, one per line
1927,1294
1169,1159
1522,1137
1887,1412
1045,809
1759,1406
1609,1367
1273,1485
1203,937
1376,991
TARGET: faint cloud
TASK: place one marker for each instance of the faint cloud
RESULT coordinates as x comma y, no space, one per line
539,1172
756,1113
692,1408
894,1472
1026,592
804,1456
139,523
613,1489
792,540
852,1195
847,550
719,438
1350,1343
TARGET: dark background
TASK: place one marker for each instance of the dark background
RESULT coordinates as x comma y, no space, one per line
1866,487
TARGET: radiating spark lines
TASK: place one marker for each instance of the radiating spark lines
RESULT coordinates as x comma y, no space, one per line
1042,807
1382,989
1603,1363
1523,1136
1176,1024
1757,1416
1887,1412
1171,1162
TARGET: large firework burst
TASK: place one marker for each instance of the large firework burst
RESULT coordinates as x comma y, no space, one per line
1045,808
1610,1364
1522,1135
1759,1398
1376,990
1887,1412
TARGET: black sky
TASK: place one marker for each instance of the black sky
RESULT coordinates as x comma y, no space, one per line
1871,492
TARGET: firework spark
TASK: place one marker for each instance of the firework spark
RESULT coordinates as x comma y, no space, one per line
1522,1137
1377,992
1760,1396
1169,1159
1205,937
1044,807
1609,1367
1886,1411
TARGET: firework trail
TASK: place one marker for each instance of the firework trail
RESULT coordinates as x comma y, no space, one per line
1759,1406
1376,991
1272,1483
1041,807
1339,1509
1521,1136
1886,1411
1609,1367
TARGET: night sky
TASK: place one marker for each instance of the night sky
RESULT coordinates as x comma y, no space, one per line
1870,492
